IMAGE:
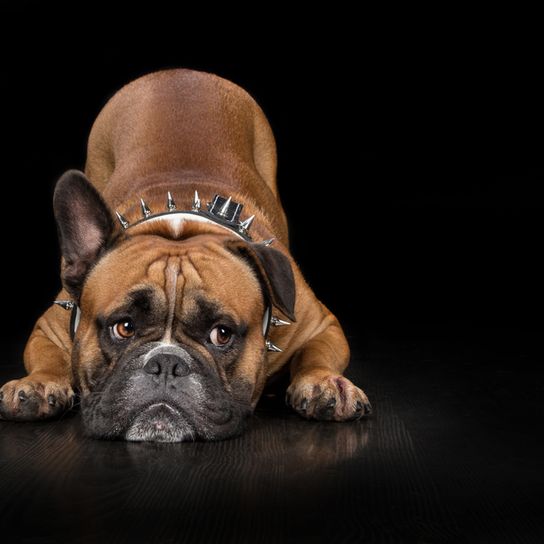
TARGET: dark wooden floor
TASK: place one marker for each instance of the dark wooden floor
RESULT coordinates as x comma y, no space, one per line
454,454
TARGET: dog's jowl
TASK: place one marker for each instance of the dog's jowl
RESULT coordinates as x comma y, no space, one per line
180,298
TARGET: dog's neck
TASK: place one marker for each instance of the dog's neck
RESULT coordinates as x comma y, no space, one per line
221,211
162,215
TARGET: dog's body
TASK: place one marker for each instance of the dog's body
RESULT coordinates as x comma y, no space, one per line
171,344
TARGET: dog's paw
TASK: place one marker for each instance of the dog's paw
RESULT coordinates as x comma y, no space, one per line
329,397
34,397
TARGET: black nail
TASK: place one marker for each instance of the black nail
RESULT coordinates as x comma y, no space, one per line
51,400
331,403
304,404
368,408
358,406
288,399
22,396
1,396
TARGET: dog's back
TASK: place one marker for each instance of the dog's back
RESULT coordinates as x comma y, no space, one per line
181,123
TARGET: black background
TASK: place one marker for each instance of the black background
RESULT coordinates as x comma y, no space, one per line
410,153
411,168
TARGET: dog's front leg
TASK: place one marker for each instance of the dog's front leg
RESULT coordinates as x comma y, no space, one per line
47,390
318,390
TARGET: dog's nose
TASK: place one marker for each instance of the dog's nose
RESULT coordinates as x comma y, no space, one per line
166,365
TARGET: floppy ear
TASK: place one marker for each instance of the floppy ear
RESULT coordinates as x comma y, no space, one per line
274,272
84,225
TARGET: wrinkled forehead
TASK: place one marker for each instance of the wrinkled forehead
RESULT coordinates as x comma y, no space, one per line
168,270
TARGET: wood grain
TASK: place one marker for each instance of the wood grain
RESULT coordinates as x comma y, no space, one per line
446,458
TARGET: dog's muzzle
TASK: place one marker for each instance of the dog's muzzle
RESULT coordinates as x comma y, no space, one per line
163,394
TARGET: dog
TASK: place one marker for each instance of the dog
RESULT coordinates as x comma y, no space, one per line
179,299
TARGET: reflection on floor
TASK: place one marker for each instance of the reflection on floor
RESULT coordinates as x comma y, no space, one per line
453,454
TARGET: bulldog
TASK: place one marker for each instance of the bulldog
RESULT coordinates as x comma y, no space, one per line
179,299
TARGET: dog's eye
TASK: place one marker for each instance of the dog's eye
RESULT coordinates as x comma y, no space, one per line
123,330
220,336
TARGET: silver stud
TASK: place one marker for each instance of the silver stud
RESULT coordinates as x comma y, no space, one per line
277,322
122,220
146,212
268,242
272,347
225,208
245,225
170,204
196,202
65,304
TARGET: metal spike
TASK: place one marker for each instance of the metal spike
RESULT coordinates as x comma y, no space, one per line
277,322
170,204
145,209
245,225
65,304
122,220
272,347
268,242
196,202
225,208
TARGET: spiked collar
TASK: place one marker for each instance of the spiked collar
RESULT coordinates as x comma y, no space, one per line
220,211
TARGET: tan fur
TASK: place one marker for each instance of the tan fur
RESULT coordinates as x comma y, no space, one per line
179,131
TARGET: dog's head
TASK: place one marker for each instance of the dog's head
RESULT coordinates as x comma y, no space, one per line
170,344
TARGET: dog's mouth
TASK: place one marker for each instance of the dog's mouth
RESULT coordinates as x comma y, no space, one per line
160,422
133,404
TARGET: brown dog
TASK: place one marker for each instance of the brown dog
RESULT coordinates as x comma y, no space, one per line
173,303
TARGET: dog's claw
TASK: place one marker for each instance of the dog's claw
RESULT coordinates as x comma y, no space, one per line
26,399
328,398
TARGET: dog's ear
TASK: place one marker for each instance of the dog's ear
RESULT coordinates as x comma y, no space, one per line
274,272
85,226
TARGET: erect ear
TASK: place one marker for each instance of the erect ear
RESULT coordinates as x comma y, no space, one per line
84,225
274,272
